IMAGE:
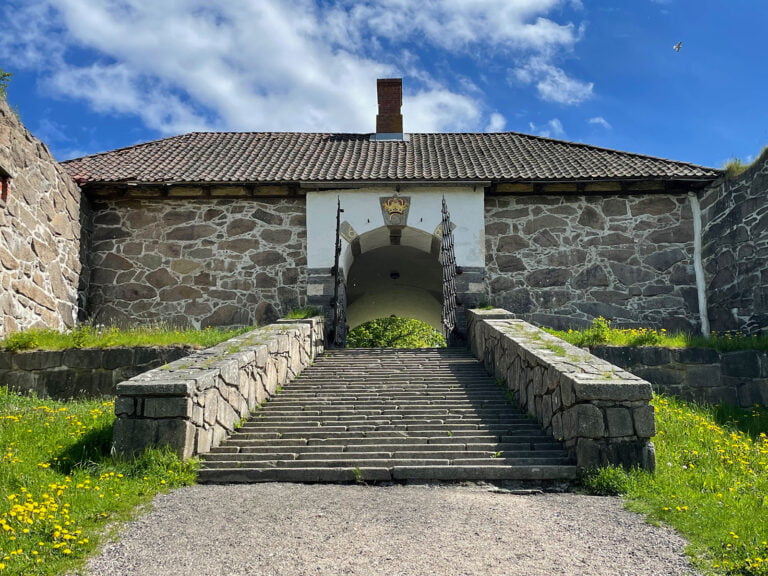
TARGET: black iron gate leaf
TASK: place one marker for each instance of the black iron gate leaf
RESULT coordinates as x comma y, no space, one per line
448,262
338,336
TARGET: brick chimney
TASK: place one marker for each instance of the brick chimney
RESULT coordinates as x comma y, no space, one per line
389,120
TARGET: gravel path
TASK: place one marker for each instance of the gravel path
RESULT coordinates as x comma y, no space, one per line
293,529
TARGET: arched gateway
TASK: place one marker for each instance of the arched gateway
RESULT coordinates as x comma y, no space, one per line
389,262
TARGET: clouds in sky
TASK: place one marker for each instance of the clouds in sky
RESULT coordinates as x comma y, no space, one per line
304,65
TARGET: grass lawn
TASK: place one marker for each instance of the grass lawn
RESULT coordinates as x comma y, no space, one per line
711,484
95,337
601,332
60,491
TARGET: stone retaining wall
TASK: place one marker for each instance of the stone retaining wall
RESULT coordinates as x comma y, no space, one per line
81,373
601,412
698,374
560,260
735,250
198,263
194,403
40,233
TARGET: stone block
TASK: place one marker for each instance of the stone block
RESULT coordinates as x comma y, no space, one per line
203,440
197,415
619,422
618,391
696,356
167,387
168,408
584,421
86,358
58,384
211,401
744,364
131,436
179,435
645,421
589,453
125,406
655,356
117,358
6,360
703,376
662,379
38,360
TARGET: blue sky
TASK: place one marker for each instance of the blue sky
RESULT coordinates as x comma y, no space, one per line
95,75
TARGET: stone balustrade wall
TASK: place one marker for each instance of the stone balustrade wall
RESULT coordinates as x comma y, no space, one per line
601,412
699,374
194,403
80,373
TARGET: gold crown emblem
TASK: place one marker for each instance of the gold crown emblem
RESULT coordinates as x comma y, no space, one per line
395,206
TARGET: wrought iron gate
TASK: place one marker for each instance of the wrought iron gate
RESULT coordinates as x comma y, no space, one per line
448,262
338,336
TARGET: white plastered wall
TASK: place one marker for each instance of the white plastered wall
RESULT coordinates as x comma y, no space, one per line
362,210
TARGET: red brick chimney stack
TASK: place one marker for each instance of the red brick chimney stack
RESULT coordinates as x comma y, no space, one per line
389,120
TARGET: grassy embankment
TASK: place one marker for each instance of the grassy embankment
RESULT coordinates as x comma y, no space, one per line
60,489
711,482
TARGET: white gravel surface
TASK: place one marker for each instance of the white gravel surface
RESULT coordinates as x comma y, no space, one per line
318,530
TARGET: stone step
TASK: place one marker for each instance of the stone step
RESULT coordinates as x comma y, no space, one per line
389,415
303,448
383,462
382,474
559,455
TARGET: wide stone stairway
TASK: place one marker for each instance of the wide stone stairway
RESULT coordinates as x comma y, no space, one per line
381,415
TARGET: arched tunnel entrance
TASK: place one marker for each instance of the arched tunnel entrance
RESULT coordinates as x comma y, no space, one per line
394,280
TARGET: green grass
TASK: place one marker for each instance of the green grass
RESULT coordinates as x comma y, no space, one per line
711,484
60,490
87,336
303,313
601,332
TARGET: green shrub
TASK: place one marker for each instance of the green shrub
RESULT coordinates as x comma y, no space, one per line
395,332
606,481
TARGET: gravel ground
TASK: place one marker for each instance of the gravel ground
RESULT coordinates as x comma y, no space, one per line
318,530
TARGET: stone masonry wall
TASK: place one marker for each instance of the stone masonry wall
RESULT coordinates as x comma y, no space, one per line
562,260
600,412
80,373
735,250
699,374
193,404
40,222
199,263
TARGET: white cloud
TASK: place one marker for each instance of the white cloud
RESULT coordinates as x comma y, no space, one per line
496,123
552,83
305,65
453,24
600,121
552,129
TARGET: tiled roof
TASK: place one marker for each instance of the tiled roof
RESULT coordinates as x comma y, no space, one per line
282,157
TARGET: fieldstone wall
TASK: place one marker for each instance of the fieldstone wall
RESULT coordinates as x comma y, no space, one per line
600,412
80,373
699,374
562,260
40,223
197,263
735,250
194,403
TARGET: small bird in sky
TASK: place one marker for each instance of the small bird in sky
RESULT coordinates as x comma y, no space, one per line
677,47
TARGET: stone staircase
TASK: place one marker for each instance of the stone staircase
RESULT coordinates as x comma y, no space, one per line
383,415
